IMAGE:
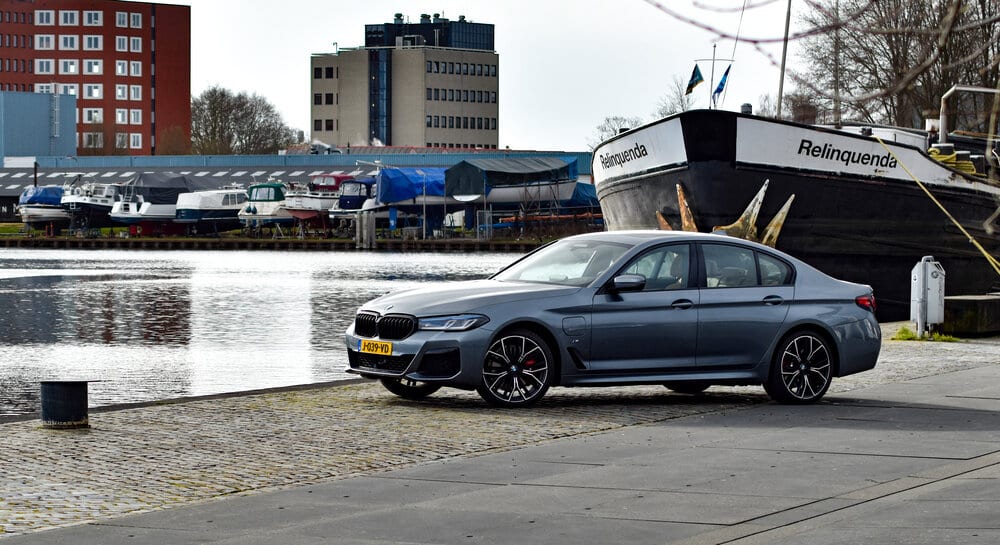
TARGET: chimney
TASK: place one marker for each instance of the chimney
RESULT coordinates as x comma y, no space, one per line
425,18
398,19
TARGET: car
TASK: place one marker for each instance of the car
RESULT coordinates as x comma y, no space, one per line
685,310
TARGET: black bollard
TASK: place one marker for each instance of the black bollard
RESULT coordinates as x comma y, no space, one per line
64,404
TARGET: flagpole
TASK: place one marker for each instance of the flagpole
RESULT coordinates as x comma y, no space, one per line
711,82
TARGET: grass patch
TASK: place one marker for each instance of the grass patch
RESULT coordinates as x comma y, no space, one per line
905,334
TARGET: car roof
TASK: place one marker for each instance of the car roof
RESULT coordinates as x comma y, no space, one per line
645,235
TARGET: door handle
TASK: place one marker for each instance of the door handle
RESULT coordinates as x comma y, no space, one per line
773,300
682,304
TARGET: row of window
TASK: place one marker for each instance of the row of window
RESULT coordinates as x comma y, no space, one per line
47,17
122,140
90,42
15,17
326,98
326,125
93,67
461,68
452,145
92,90
15,65
460,122
319,72
15,40
461,95
20,87
123,116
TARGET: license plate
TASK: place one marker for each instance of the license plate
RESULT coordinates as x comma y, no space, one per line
375,347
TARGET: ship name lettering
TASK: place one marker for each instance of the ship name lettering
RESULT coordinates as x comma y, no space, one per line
845,156
619,159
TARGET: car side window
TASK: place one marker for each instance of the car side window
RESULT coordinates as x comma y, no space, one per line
729,266
773,272
665,268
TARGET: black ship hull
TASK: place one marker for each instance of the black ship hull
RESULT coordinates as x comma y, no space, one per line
865,222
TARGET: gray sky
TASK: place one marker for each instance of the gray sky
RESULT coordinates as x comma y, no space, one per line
565,65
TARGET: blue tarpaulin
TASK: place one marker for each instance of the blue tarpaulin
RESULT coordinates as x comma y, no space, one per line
46,194
404,184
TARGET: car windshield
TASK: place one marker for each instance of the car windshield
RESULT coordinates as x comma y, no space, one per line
567,262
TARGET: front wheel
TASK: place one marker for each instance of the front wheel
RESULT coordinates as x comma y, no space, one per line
801,370
517,370
409,389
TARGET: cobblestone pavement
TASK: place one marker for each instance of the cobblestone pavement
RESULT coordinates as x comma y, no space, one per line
148,458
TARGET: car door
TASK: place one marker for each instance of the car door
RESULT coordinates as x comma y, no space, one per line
653,329
744,301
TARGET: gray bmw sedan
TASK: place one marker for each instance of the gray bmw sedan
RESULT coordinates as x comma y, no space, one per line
686,310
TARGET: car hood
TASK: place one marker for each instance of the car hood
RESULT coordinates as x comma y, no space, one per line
460,297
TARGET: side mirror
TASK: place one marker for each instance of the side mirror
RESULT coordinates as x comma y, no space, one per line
628,282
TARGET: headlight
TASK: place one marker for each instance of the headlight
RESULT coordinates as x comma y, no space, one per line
461,322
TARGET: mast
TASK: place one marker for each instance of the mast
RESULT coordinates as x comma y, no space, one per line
784,54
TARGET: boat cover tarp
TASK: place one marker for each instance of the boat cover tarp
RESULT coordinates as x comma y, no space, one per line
584,194
164,187
478,176
404,184
46,195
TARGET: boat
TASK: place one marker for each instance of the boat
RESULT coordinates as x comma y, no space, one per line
844,199
265,206
309,201
89,203
211,210
40,207
151,198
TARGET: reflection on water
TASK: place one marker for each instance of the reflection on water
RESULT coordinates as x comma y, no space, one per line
158,325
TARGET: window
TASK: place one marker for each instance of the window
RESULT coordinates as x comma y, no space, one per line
121,116
121,93
93,67
44,66
430,67
121,140
729,266
121,19
665,268
93,140
135,92
44,17
121,43
135,117
135,139
451,95
329,72
493,70
429,121
465,95
68,89
328,124
93,18
465,69
437,94
328,98
317,72
479,69
493,97
451,68
43,88
93,42
121,68
93,115
317,98
68,17
135,68
451,122
493,123
773,272
135,44
317,125
68,42
93,90
44,41
135,20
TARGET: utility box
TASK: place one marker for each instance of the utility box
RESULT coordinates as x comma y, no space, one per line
927,293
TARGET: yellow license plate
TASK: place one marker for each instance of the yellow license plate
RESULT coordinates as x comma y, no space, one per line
375,347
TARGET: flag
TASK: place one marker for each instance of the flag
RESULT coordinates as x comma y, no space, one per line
695,80
721,86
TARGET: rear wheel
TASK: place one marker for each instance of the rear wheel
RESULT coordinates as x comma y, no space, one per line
801,370
517,370
409,389
687,387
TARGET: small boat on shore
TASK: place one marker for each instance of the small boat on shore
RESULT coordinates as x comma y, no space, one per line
89,203
152,197
40,207
211,210
265,206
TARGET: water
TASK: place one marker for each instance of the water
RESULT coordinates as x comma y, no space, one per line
161,325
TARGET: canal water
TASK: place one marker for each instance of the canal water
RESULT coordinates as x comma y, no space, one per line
161,325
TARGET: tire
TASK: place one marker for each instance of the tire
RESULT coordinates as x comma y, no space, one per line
687,387
801,370
409,389
517,370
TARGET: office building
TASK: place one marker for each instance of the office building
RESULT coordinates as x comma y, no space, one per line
428,84
127,63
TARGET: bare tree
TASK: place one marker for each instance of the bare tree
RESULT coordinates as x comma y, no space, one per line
676,100
611,126
224,124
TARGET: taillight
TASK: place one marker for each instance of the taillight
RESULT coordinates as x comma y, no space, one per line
866,302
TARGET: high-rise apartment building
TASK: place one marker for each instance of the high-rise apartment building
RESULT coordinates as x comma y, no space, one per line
432,83
127,63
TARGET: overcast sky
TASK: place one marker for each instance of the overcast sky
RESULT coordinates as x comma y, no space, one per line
565,65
